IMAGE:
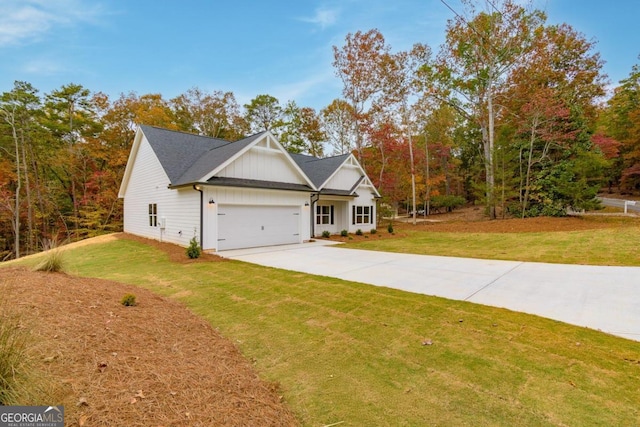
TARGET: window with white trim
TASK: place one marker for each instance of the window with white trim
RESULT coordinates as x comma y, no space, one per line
153,214
362,215
324,214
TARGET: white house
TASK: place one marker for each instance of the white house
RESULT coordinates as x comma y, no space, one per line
241,194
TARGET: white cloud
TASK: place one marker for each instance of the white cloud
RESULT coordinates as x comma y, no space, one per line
44,66
323,17
315,90
27,20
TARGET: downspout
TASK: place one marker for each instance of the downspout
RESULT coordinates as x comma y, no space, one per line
197,188
313,215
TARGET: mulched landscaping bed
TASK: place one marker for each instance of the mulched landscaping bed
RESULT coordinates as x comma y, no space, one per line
154,364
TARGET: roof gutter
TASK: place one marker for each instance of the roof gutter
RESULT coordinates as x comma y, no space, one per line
313,215
199,189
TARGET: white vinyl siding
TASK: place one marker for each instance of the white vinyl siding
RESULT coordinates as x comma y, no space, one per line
153,214
148,185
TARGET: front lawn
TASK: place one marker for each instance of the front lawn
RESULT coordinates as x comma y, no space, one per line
352,355
609,242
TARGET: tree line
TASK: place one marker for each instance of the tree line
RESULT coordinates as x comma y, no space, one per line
509,112
63,154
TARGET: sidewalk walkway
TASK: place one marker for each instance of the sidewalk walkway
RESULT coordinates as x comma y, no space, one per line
602,298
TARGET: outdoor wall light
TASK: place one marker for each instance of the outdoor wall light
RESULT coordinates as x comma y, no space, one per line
212,202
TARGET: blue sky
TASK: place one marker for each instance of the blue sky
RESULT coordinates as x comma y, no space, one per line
282,48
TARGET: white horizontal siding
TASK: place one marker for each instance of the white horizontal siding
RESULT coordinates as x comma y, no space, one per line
148,184
181,210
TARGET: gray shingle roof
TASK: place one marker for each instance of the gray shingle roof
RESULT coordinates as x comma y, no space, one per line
186,157
319,170
212,159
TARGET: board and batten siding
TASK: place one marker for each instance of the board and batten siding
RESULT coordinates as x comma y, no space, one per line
264,164
344,178
148,184
250,197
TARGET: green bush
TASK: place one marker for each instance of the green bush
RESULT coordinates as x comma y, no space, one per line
194,251
373,231
358,232
326,234
344,233
447,202
390,228
53,262
129,300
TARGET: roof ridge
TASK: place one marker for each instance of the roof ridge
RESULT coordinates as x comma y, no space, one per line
183,132
315,159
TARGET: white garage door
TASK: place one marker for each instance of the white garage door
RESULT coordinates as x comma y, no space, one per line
244,226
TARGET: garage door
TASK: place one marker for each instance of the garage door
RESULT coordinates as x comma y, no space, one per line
245,226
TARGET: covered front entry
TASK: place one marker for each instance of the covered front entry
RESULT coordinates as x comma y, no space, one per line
247,226
331,216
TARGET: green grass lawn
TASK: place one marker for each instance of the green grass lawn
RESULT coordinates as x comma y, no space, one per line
353,354
610,246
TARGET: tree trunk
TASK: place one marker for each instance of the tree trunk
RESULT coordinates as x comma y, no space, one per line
16,218
413,168
527,183
41,204
27,186
447,176
489,155
428,176
383,161
413,178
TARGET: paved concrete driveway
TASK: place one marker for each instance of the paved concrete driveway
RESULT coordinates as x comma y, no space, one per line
604,298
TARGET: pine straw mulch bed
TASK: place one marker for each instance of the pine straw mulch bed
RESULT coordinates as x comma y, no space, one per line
176,253
155,364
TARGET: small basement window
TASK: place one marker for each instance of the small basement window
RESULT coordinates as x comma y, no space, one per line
153,214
